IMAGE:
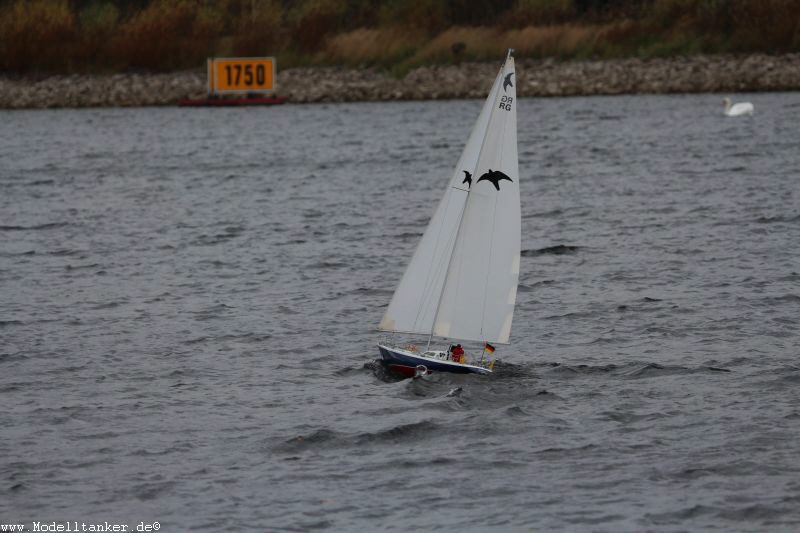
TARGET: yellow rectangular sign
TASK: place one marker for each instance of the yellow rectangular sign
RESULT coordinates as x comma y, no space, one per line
241,74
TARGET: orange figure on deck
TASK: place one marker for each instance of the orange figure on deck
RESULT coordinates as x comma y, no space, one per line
457,354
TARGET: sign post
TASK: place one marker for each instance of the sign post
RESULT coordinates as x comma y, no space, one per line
252,78
241,75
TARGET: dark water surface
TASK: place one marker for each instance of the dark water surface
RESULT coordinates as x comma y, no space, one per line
189,299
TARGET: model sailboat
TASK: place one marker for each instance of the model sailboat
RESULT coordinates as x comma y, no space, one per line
461,283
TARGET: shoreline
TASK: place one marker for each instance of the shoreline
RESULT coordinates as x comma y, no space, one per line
536,78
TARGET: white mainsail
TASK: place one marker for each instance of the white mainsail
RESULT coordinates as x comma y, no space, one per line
461,282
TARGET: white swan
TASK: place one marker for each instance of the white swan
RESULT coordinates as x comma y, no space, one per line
740,108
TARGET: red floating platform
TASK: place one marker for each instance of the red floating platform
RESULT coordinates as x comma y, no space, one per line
204,102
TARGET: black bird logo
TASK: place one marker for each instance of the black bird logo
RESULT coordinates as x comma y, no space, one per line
507,82
495,176
467,179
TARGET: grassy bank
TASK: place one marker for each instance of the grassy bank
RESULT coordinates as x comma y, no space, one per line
88,36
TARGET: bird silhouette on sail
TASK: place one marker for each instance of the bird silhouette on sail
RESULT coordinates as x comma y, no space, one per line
467,179
494,177
507,82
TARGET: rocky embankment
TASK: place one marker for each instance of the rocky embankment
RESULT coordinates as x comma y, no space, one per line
467,80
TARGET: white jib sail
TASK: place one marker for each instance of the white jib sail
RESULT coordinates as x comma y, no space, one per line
461,282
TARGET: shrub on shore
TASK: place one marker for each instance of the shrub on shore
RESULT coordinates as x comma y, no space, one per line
117,35
40,32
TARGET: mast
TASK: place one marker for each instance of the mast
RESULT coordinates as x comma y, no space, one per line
461,215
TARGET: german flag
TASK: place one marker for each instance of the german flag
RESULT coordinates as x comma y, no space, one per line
488,347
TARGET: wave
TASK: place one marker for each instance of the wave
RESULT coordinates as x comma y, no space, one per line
545,214
38,227
327,438
17,254
404,432
634,369
779,219
245,338
559,249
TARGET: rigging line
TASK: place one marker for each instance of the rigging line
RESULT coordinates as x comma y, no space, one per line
450,262
435,266
496,90
494,210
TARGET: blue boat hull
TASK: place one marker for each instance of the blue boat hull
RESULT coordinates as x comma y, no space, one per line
405,358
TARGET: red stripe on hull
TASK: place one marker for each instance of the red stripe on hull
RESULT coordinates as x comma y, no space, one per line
405,371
